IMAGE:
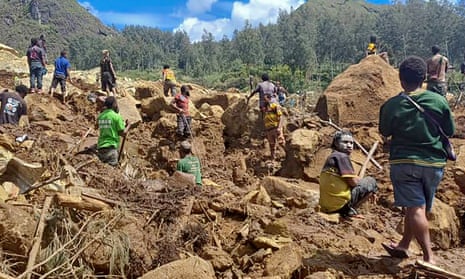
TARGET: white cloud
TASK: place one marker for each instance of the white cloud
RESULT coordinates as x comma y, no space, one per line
195,27
89,8
256,11
199,6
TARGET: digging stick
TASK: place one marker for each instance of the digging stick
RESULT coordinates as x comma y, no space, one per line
367,160
38,237
356,142
80,140
122,146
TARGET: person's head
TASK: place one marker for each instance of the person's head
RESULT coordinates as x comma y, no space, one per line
278,83
64,53
110,103
373,39
34,41
412,72
435,49
22,90
105,53
166,66
185,90
42,37
265,77
185,148
343,141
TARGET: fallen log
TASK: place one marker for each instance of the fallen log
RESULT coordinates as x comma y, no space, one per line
436,271
81,203
38,237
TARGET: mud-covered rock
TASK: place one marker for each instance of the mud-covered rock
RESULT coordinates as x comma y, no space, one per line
17,227
218,258
282,188
284,262
190,268
444,225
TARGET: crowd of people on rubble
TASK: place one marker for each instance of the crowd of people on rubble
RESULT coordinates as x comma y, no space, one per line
416,124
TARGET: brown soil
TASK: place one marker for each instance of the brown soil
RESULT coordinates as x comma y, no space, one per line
157,218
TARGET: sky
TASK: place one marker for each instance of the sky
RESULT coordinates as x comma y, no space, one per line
219,17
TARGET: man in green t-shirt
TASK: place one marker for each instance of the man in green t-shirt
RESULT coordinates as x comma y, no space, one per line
111,126
189,163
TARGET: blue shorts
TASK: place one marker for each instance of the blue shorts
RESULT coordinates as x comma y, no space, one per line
415,185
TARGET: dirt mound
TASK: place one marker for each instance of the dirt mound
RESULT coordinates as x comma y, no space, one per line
356,94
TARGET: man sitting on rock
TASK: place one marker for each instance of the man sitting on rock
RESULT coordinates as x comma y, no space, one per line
341,190
189,163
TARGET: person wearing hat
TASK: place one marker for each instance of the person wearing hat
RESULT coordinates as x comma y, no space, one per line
111,126
341,190
13,107
189,163
107,73
181,104
273,122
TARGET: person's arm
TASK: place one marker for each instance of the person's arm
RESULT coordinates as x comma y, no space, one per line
113,73
124,131
254,92
352,181
384,122
174,105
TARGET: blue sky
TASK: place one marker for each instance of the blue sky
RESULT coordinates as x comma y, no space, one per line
219,17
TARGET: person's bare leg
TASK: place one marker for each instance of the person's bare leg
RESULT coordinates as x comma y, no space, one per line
416,225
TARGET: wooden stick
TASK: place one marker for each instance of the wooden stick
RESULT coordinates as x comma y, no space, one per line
79,203
38,237
432,268
41,184
102,199
80,140
356,142
5,276
367,160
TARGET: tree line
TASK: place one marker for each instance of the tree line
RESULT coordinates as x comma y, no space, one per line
305,49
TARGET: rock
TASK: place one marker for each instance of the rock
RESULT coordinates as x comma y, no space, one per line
275,242
3,195
321,275
444,225
128,109
10,189
220,99
147,89
459,178
5,157
284,262
152,107
345,100
212,111
218,258
300,151
260,255
331,218
259,196
282,188
191,268
277,227
40,108
22,174
17,227
241,118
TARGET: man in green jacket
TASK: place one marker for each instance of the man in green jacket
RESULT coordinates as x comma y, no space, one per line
189,163
111,126
417,156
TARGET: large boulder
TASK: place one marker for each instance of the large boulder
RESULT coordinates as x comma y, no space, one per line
190,268
444,225
300,150
128,109
153,107
356,94
280,188
224,100
242,118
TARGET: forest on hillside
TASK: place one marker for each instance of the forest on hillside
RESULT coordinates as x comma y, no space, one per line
306,48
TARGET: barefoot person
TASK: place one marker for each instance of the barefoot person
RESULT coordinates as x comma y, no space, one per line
341,190
417,157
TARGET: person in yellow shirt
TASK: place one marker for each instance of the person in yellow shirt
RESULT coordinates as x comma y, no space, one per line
169,81
341,190
273,121
372,49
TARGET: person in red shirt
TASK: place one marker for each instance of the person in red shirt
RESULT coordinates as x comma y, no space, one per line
181,104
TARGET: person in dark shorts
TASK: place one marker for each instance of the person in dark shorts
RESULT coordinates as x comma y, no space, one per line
107,74
436,68
36,61
181,104
61,74
341,190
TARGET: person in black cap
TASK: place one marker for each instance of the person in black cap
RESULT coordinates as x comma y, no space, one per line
181,104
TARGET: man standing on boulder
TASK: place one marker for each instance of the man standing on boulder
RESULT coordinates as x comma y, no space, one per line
107,74
111,126
341,190
61,74
417,156
169,81
189,163
13,106
437,67
181,104
264,87
36,61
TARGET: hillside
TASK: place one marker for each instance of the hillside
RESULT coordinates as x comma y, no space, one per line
60,22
